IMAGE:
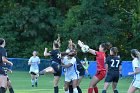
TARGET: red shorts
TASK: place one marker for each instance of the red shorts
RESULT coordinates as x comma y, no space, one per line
100,74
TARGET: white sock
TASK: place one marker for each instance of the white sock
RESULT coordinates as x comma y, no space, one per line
32,81
36,79
75,90
67,91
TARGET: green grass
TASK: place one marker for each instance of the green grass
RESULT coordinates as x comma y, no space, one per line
21,83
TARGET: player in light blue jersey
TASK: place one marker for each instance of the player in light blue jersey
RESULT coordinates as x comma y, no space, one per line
34,68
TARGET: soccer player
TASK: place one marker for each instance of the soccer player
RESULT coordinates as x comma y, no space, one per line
3,60
71,72
55,67
80,67
135,85
34,61
86,65
113,66
100,59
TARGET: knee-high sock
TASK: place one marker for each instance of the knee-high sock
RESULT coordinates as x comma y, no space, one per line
11,90
104,91
32,81
2,90
36,79
90,90
56,89
70,89
116,91
75,90
79,89
96,89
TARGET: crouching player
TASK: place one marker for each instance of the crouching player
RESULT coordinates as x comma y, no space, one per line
71,74
34,69
113,66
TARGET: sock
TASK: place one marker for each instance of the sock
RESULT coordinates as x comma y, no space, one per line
32,81
2,90
70,89
116,91
79,89
75,90
67,91
36,80
56,89
96,89
104,91
90,90
11,90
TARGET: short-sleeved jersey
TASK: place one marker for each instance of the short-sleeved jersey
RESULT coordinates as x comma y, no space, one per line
3,53
100,59
34,61
136,64
56,56
86,64
73,69
3,67
79,64
113,63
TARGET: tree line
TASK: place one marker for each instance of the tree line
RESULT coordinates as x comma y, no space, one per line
29,25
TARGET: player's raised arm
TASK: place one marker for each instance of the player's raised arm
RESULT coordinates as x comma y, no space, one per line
46,53
85,48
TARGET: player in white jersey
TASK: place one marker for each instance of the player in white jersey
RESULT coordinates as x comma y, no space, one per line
34,69
71,72
135,85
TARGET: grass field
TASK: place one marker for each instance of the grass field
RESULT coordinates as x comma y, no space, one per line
21,83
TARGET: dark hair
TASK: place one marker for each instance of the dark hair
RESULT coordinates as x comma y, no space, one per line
56,44
106,46
114,50
1,41
135,53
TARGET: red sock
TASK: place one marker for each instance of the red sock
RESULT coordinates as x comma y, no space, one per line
96,89
90,90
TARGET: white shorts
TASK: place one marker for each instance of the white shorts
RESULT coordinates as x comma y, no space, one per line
35,70
136,84
69,78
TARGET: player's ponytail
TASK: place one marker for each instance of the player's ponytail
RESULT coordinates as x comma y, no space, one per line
135,53
114,50
1,41
106,46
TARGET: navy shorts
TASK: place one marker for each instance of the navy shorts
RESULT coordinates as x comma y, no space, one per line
81,72
112,77
57,68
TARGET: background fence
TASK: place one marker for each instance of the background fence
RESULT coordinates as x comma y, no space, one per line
21,64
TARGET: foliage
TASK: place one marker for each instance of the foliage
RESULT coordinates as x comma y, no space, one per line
29,25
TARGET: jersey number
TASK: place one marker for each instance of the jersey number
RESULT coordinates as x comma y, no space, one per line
113,61
59,56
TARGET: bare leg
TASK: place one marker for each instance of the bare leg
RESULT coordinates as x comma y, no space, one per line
131,89
74,84
79,80
47,70
93,82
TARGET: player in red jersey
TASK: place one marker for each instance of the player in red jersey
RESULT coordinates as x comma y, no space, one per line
100,59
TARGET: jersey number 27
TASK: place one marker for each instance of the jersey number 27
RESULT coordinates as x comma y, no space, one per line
113,63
